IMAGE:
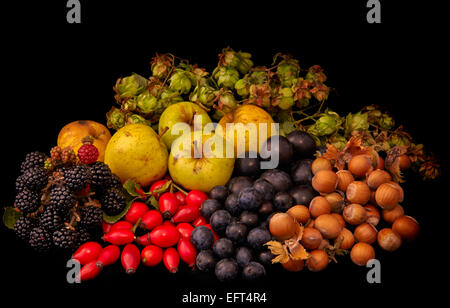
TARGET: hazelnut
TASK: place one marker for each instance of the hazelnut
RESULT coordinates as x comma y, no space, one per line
360,165
318,206
391,215
366,233
325,181
345,177
358,192
388,239
387,196
362,253
378,177
320,163
354,214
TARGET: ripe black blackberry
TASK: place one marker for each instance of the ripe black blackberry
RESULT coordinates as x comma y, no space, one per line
84,236
28,201
66,238
20,183
33,159
77,177
23,227
40,240
62,199
113,201
50,219
35,178
91,217
115,181
101,175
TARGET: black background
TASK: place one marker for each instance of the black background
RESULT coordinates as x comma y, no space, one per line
56,73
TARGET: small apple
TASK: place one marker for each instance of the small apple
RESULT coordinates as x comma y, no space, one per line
199,162
246,114
183,112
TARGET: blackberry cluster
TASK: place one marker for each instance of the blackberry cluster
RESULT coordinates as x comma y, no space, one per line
66,238
23,227
27,201
40,239
33,159
77,177
113,201
101,175
62,199
91,217
35,178
51,219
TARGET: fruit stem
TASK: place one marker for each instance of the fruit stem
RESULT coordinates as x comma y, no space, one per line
165,129
138,222
179,188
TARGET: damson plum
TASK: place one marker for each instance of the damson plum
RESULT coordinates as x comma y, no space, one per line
250,219
243,256
280,180
302,194
301,172
226,269
235,185
220,193
253,271
232,204
265,257
202,238
223,248
303,144
205,261
219,221
264,188
248,165
249,199
237,232
283,201
209,206
257,237
266,208
282,147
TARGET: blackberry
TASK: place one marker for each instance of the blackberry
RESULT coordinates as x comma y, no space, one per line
35,178
101,175
23,227
91,217
77,177
50,219
115,181
62,199
84,236
33,159
27,201
113,201
66,238
40,240
20,183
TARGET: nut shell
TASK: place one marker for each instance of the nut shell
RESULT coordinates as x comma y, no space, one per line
378,177
391,215
311,238
345,177
293,265
365,233
320,163
387,196
358,192
348,240
407,227
373,215
361,253
336,201
354,214
328,225
388,239
282,226
360,165
325,181
300,213
317,261
318,206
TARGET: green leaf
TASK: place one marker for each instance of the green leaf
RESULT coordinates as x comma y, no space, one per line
161,190
153,202
10,217
130,186
115,218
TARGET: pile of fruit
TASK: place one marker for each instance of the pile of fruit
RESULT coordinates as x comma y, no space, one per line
134,196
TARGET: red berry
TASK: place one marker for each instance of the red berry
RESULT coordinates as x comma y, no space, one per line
89,271
185,230
141,192
151,255
151,219
181,197
87,252
164,236
143,240
106,227
171,259
201,221
119,237
121,225
196,198
186,213
130,258
109,256
136,211
187,252
168,205
88,153
157,185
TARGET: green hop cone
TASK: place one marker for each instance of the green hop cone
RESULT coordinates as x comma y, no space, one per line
180,81
358,121
327,124
242,87
136,119
386,122
204,95
226,76
398,139
146,102
260,95
316,74
288,70
338,141
285,98
246,63
258,76
229,58
161,65
227,102
167,98
130,86
115,118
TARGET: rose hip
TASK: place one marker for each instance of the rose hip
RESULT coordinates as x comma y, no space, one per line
195,198
121,225
143,240
151,255
187,252
141,192
106,227
171,259
164,236
109,256
136,211
201,221
89,271
119,237
181,197
185,230
87,252
186,213
130,258
151,219
168,205
157,185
